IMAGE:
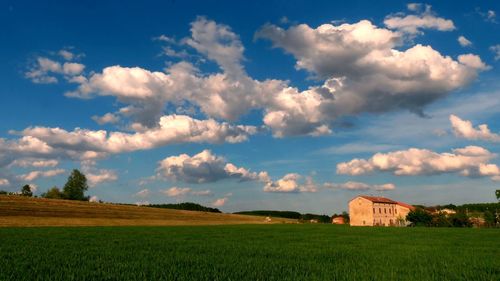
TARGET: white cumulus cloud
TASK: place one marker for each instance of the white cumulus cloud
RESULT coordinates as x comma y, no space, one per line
203,167
465,129
33,175
468,161
413,24
291,183
464,42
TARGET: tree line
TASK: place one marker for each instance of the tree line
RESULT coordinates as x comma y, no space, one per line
295,215
74,189
466,215
189,206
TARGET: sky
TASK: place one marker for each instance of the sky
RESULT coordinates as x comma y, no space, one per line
282,105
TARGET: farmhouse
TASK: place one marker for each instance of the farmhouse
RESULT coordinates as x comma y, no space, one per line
377,211
338,220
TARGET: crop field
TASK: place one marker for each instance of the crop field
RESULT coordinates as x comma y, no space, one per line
249,252
25,211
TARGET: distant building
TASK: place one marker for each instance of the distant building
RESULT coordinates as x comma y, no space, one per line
448,211
338,220
377,211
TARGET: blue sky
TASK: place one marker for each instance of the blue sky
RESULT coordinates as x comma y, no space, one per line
262,105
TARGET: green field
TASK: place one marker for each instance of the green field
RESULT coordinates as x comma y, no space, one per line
249,252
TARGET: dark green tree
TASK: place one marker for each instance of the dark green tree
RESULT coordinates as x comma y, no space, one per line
345,215
53,193
440,220
460,219
26,191
419,217
75,187
497,193
489,218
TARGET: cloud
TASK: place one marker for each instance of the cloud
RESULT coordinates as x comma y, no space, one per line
94,199
203,167
206,192
4,182
357,147
414,7
171,129
496,51
108,118
221,201
352,185
468,161
177,191
100,176
38,163
33,175
290,183
473,61
65,54
183,191
143,193
363,72
45,147
43,69
488,16
465,129
491,15
226,95
218,43
413,24
464,42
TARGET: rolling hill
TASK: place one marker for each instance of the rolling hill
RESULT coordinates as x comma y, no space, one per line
25,211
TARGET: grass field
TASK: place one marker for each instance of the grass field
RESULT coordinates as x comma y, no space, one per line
249,252
23,211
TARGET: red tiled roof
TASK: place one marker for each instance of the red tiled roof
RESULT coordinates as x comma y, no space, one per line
406,205
376,199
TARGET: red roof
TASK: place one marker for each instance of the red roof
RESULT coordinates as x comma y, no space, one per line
378,199
406,205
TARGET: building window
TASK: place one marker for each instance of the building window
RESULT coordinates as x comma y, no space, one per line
389,211
379,211
374,210
385,211
395,211
363,222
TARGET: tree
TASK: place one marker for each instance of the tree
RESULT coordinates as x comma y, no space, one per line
345,215
26,191
419,217
460,219
441,220
489,218
53,193
497,193
75,187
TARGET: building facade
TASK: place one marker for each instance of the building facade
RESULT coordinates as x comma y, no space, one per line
377,211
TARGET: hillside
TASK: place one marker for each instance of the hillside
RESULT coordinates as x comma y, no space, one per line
23,211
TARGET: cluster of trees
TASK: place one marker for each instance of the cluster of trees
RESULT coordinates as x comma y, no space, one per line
421,217
466,215
74,189
189,206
